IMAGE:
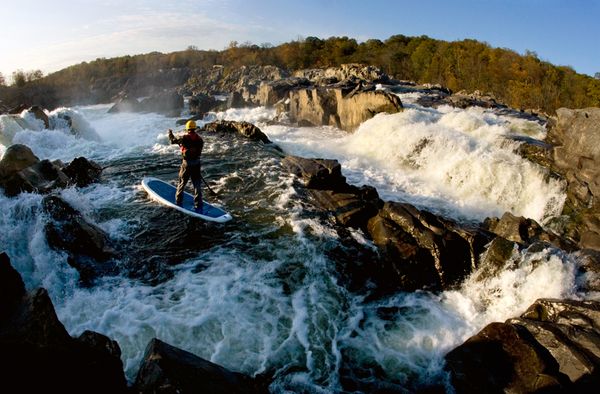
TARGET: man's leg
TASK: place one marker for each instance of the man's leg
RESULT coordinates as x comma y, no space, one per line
197,182
183,178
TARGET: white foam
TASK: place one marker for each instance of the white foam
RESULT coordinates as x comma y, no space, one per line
454,162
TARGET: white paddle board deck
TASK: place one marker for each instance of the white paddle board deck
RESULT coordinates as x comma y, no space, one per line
164,193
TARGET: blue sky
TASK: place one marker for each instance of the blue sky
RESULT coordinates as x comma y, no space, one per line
50,35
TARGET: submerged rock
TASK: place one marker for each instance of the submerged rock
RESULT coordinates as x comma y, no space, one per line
89,247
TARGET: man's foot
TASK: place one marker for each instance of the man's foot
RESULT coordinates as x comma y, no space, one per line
179,203
198,209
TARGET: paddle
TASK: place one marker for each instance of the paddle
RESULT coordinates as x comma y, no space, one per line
212,193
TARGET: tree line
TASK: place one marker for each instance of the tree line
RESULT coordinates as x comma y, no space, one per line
519,80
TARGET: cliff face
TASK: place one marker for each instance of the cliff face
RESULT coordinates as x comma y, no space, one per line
575,136
332,107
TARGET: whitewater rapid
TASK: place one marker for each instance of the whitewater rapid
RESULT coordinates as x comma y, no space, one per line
262,293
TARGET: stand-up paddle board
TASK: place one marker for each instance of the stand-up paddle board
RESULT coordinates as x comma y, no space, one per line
164,193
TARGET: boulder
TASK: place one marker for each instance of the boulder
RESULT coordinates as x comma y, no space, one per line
16,158
202,103
40,356
524,231
83,172
167,369
316,173
351,206
89,248
423,250
503,358
570,330
245,129
21,171
554,346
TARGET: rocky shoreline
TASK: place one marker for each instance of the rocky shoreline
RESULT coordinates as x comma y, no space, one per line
553,346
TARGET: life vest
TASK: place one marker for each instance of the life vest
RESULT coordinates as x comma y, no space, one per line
191,146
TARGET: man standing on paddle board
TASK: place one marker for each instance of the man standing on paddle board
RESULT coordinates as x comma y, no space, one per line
191,147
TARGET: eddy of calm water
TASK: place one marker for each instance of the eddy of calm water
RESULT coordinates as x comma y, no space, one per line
261,292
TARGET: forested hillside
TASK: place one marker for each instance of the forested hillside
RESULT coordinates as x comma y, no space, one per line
521,81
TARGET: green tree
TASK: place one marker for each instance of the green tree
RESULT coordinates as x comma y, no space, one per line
2,80
19,78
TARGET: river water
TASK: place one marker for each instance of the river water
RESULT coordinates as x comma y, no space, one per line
262,293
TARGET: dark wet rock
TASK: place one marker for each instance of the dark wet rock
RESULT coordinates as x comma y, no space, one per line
16,158
536,151
590,269
245,129
88,246
553,347
40,356
21,171
424,250
83,172
495,258
524,231
570,330
350,205
12,288
38,113
503,358
167,369
316,173
202,103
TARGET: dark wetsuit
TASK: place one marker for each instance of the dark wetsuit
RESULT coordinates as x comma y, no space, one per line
191,148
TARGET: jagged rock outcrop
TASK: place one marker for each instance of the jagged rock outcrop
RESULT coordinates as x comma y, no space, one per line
89,248
245,129
167,369
418,249
244,81
22,171
334,106
38,353
422,250
345,72
350,205
82,172
553,347
575,135
524,231
40,356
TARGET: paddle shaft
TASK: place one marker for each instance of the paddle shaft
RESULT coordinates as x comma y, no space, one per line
206,183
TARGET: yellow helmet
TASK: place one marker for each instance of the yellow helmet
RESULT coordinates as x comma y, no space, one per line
190,125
